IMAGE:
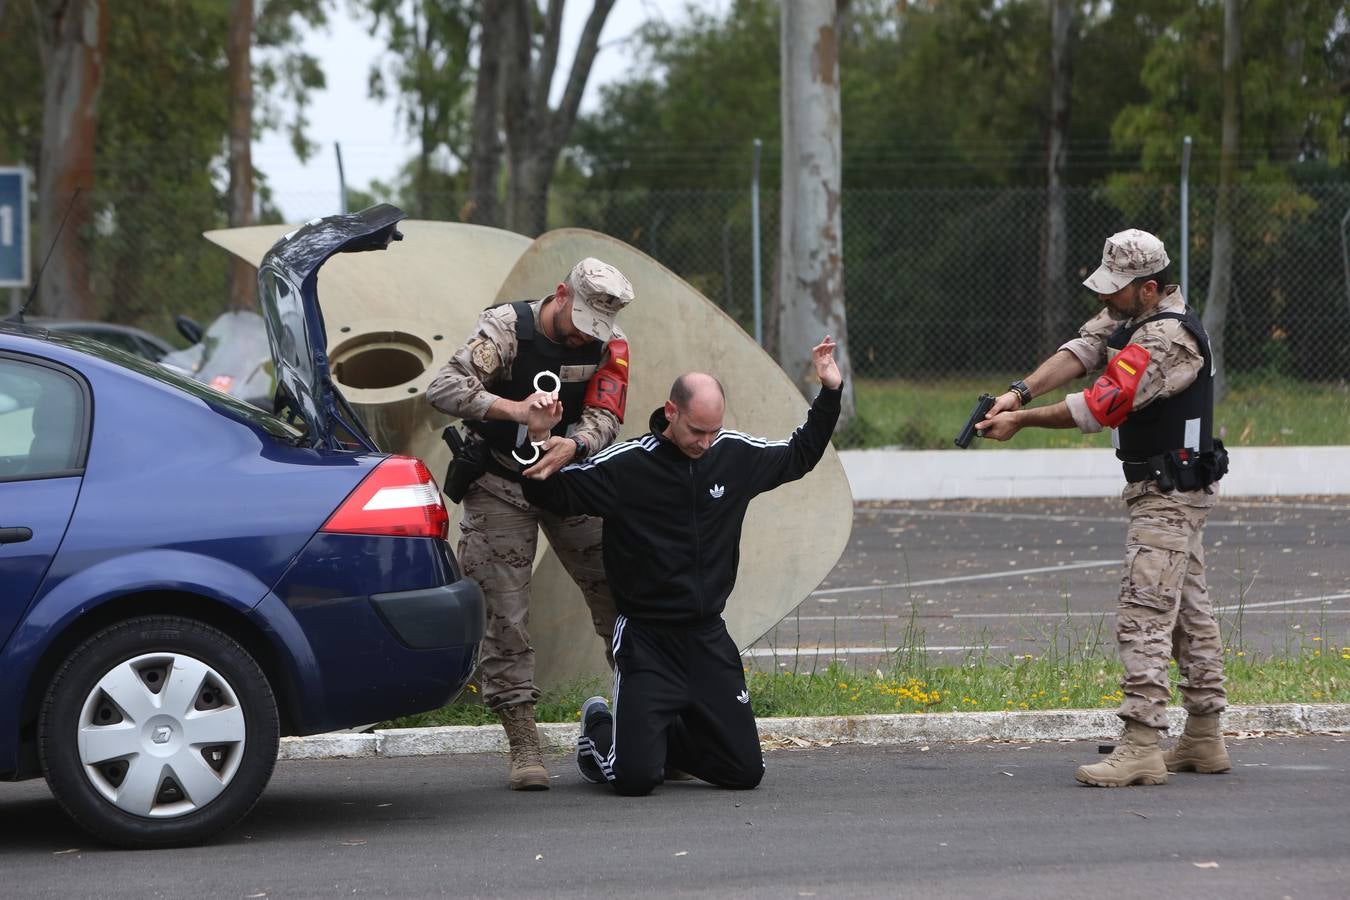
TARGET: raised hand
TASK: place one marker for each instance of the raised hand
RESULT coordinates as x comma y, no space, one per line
827,370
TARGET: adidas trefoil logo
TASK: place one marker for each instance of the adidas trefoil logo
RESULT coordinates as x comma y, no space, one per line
717,490
744,695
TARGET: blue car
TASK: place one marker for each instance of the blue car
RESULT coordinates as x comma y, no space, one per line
185,578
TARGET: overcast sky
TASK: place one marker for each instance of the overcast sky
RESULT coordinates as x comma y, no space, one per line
373,146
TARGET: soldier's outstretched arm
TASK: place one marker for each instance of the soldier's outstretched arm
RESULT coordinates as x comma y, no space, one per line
1055,372
586,489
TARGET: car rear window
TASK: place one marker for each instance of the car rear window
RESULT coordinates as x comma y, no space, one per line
224,403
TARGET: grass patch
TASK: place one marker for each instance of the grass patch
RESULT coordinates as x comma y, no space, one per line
926,415
1088,680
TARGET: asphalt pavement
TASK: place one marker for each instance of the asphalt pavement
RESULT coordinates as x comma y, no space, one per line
940,820
1012,577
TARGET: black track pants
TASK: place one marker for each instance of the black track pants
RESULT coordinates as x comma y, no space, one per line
680,701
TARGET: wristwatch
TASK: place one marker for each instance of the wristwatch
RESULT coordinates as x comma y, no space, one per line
582,449
1022,391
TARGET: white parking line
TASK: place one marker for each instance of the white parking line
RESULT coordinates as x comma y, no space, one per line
1057,517
902,618
1326,598
759,652
1006,573
1257,504
1263,608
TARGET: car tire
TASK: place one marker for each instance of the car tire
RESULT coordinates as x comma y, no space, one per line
158,731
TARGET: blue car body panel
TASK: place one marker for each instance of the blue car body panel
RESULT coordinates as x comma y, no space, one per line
364,665
180,498
46,504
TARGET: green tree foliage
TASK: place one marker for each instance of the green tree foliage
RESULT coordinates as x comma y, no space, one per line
283,75
702,90
945,116
427,70
1294,136
162,121
20,71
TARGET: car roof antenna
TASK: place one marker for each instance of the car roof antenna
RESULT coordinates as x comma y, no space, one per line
18,316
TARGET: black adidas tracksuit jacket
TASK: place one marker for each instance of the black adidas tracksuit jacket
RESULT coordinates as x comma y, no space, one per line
671,549
673,524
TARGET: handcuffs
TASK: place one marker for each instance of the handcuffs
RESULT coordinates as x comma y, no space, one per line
538,446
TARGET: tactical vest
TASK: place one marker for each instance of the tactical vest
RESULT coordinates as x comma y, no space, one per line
535,353
1184,420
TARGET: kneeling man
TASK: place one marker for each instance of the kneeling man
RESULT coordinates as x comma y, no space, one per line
673,502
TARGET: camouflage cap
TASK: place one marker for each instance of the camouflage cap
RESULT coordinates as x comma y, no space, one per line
1128,255
599,291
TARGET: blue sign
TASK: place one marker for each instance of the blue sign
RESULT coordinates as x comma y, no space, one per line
13,227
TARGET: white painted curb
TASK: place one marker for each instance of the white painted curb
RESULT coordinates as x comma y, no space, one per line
1050,725
1005,474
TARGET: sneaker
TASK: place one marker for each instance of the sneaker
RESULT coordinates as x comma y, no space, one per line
591,711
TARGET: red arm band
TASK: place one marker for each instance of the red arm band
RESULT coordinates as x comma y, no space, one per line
1111,396
608,387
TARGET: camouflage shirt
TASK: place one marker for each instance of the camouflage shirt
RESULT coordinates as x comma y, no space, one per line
1174,355
463,386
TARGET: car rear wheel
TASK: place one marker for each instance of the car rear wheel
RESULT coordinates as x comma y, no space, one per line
158,731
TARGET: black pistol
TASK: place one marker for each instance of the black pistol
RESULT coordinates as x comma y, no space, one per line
982,407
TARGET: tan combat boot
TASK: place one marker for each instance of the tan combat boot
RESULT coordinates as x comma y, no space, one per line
1200,748
1138,760
527,762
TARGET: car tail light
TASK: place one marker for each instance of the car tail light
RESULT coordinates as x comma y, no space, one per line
399,498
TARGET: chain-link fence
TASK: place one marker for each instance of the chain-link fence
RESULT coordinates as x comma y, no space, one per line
939,283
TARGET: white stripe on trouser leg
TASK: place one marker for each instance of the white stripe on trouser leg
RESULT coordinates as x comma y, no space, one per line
606,763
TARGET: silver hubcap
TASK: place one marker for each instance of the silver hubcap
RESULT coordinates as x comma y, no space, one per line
161,735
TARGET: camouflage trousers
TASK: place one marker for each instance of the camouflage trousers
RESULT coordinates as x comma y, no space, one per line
499,536
1165,611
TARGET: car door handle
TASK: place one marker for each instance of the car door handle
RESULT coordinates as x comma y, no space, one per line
15,535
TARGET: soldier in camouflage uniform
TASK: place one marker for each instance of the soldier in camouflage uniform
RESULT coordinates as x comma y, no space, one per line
493,382
1155,392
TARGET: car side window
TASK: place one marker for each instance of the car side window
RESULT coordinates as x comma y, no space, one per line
42,421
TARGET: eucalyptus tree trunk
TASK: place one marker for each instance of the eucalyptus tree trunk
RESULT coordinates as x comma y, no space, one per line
1056,313
811,263
72,41
243,290
1221,260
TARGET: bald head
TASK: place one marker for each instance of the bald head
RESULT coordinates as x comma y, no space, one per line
694,384
694,413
